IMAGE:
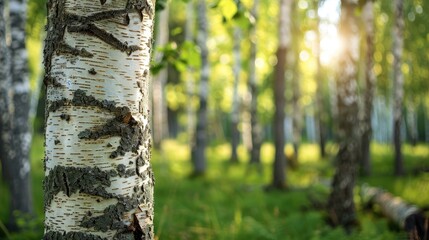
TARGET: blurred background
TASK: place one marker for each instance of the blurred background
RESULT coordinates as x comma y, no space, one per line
231,190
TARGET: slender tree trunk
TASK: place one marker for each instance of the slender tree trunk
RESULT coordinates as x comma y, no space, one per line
255,128
341,207
98,179
19,171
235,114
398,83
6,106
320,110
160,119
198,150
296,88
279,176
412,123
368,17
189,76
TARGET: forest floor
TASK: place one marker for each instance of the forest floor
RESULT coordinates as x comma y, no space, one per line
230,201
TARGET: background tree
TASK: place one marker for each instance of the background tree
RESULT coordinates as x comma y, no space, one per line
279,178
368,21
341,206
398,83
16,134
98,178
255,128
198,150
160,119
235,114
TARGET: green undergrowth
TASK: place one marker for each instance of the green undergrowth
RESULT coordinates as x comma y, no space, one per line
230,202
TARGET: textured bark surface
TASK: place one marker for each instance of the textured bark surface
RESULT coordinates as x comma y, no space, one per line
398,83
255,128
279,175
405,215
98,179
341,207
198,150
235,115
368,18
19,171
160,119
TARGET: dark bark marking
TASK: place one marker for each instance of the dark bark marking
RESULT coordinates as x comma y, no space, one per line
64,116
102,2
91,29
71,180
92,71
48,80
54,235
64,48
123,172
56,142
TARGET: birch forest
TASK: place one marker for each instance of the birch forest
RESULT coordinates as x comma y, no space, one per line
214,119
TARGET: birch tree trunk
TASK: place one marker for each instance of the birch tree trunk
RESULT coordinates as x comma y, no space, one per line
198,150
6,110
320,110
190,85
370,80
341,207
19,171
255,128
279,176
235,115
98,179
398,83
160,119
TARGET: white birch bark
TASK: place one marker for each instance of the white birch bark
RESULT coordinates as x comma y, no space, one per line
98,179
235,115
6,108
160,123
198,150
398,82
188,75
19,171
255,128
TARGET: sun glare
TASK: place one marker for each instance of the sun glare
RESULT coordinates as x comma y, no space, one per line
330,48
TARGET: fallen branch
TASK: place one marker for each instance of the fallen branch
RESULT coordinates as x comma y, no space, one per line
408,217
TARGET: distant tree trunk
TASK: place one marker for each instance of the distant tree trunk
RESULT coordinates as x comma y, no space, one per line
341,207
255,128
279,176
368,17
412,123
398,83
98,179
19,171
320,110
198,150
296,89
160,119
235,114
189,77
6,110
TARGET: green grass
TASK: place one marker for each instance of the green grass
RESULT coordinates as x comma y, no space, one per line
230,203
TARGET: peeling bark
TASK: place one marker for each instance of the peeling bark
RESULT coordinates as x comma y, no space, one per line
398,83
368,18
341,207
198,150
98,179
